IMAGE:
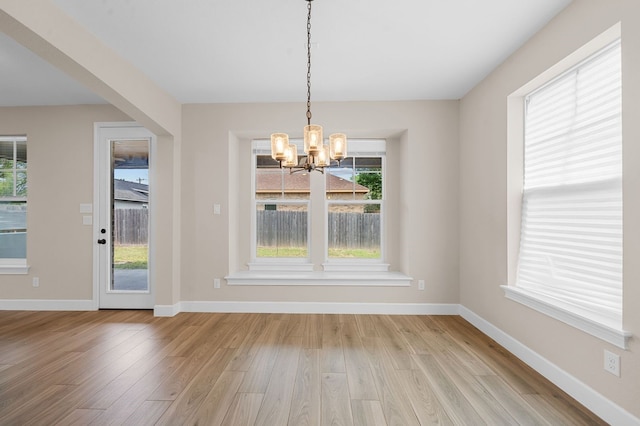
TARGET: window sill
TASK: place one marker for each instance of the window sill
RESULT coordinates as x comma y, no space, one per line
280,267
355,267
14,269
319,278
607,333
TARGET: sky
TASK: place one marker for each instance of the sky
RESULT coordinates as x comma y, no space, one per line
132,175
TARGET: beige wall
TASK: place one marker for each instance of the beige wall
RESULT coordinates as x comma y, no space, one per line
60,176
483,199
422,167
422,159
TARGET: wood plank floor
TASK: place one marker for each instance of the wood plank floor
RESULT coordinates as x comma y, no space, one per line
128,367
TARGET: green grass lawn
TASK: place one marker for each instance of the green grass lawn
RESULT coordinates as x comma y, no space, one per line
282,252
333,253
130,257
337,253
135,257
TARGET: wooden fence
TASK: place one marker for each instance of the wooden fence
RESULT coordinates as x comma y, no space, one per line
131,226
277,228
281,228
354,230
346,230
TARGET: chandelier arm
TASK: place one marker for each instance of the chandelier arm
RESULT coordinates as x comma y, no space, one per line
309,61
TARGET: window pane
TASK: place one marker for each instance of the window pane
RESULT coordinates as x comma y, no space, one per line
275,183
21,184
357,178
340,183
354,231
281,230
6,183
369,174
13,230
21,152
6,154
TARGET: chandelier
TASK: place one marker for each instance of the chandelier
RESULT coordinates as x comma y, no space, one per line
318,154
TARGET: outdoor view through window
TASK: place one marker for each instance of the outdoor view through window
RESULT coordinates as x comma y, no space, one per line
354,204
13,197
130,215
353,201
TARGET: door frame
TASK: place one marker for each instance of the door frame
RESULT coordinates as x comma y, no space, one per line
122,130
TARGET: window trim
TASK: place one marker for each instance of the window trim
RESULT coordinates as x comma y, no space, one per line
14,266
515,157
551,308
275,271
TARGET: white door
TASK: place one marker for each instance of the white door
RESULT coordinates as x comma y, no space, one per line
123,206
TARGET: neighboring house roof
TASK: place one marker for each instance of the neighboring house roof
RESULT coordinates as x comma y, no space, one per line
130,191
270,180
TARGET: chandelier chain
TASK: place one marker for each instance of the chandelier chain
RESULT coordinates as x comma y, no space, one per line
317,153
309,62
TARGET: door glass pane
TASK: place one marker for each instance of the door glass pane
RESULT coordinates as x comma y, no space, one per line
130,215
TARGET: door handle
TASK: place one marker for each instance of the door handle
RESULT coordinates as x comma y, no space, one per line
102,241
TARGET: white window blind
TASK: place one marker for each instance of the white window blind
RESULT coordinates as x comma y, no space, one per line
571,237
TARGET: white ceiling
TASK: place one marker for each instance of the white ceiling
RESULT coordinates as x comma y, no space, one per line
255,50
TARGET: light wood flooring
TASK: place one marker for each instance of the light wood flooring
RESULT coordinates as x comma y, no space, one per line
128,367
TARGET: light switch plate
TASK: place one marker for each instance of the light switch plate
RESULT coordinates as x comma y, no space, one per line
86,208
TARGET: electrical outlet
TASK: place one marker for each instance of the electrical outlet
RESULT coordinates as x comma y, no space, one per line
216,283
36,282
420,284
612,363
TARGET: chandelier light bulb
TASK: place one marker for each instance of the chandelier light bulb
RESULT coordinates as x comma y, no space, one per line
279,145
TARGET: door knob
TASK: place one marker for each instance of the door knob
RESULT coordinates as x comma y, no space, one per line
102,241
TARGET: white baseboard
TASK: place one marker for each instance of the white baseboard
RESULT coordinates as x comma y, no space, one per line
601,406
314,308
46,305
166,310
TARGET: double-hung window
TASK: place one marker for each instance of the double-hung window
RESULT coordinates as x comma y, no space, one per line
13,204
350,217
571,226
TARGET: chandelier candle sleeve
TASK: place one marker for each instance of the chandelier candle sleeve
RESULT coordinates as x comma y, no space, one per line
312,139
291,154
338,146
322,158
279,145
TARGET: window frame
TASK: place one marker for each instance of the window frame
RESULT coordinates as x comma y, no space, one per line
15,265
